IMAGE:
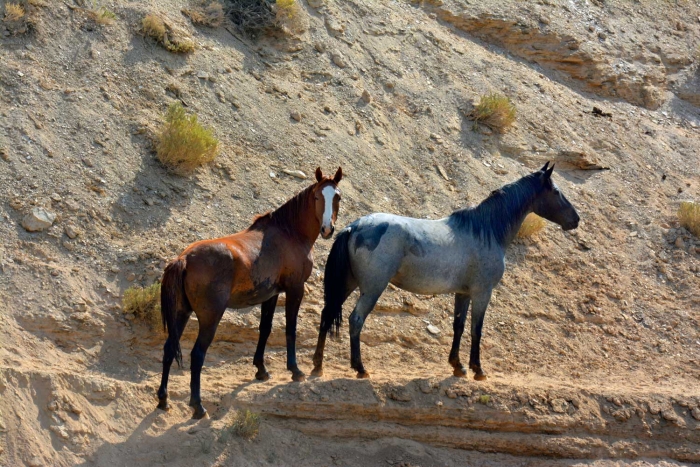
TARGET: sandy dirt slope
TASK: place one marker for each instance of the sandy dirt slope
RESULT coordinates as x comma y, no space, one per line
592,339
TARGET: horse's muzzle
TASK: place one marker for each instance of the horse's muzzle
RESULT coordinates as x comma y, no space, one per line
327,232
571,225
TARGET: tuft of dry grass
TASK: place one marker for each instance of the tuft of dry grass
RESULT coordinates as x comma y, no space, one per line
210,14
531,225
144,304
154,27
14,12
496,111
183,144
689,216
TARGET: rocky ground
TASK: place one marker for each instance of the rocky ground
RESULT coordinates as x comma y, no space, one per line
592,340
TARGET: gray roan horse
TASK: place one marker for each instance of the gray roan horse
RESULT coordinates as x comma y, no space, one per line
461,254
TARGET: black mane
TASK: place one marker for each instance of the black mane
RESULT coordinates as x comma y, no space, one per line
287,215
496,216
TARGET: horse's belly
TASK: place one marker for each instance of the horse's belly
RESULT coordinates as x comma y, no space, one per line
426,279
255,296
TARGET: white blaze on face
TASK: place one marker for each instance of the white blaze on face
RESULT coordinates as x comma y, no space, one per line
328,195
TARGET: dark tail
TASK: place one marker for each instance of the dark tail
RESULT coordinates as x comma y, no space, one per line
336,282
172,300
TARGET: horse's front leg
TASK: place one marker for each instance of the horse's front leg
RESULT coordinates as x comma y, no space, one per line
267,311
479,304
461,308
294,298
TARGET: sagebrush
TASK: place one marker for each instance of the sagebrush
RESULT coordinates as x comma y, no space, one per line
496,111
531,225
144,303
183,144
689,216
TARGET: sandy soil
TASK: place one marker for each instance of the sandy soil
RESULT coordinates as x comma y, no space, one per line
592,340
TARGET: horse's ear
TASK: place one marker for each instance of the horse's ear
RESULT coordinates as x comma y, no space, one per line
544,169
548,173
338,175
319,174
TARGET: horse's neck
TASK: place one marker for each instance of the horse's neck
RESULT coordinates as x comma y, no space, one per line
518,214
515,207
301,223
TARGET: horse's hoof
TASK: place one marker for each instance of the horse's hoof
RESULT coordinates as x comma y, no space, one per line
298,377
163,404
362,375
479,376
317,372
460,372
199,412
262,375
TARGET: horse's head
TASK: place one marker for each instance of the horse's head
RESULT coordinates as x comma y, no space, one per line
327,199
551,203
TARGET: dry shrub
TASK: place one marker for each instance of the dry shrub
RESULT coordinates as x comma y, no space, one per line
496,111
531,225
144,303
14,12
289,16
154,27
103,16
246,424
184,144
210,14
259,16
18,17
689,216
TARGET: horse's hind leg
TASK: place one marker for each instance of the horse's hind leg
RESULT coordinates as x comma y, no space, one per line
267,311
208,322
479,304
169,351
461,307
326,325
357,320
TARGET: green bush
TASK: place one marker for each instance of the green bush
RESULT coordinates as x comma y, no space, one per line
184,144
495,111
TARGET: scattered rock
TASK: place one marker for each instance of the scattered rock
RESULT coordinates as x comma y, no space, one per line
434,330
295,173
35,462
71,231
559,405
131,277
296,115
366,97
695,413
339,60
320,47
679,243
38,219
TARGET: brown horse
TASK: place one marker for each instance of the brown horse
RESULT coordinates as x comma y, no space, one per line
254,266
